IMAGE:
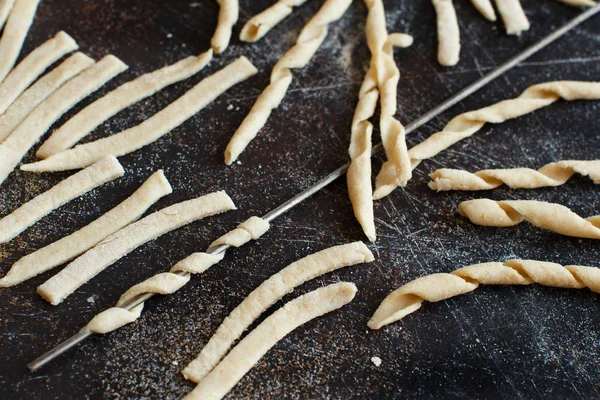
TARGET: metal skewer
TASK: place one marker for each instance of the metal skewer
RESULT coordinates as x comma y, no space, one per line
299,198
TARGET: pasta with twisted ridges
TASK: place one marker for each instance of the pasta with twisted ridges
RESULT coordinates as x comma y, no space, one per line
437,287
229,11
309,41
170,282
448,33
550,216
553,174
259,25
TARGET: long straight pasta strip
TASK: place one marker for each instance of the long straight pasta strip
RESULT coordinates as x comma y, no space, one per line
229,11
5,7
267,294
486,9
513,16
283,321
448,33
15,31
125,240
40,90
579,3
69,247
74,186
29,132
259,25
33,66
154,127
122,97
309,41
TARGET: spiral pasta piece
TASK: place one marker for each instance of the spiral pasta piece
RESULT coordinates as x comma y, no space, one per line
309,41
259,25
486,9
448,33
550,216
513,16
553,174
229,11
438,287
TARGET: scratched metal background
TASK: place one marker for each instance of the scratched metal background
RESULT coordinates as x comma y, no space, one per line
499,342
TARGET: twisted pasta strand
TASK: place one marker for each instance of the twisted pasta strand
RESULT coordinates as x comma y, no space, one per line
229,11
553,174
259,25
308,43
438,287
550,216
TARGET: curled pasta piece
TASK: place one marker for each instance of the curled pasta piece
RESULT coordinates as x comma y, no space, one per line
259,25
553,174
579,3
513,16
74,186
251,229
267,294
229,11
486,9
154,127
122,97
448,33
437,287
5,7
125,240
247,353
69,247
551,216
309,41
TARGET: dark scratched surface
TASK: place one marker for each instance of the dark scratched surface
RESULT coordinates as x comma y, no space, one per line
498,342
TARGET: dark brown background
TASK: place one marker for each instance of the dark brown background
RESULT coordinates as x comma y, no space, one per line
499,342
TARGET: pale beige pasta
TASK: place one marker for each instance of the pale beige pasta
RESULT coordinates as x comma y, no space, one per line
486,9
122,97
579,3
228,15
154,127
247,353
553,174
438,287
267,294
5,7
551,216
251,229
74,186
448,33
513,16
309,41
75,244
259,25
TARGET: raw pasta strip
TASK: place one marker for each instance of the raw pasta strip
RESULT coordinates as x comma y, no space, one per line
125,240
228,15
154,127
309,41
5,7
259,25
551,216
40,90
438,287
448,33
553,174
122,97
69,247
29,132
579,3
247,353
267,294
486,8
17,26
33,66
170,282
513,16
74,186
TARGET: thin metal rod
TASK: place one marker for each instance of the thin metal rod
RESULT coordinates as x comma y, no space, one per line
299,198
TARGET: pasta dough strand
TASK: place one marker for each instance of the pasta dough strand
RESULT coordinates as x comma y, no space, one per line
309,41
551,216
259,25
579,3
448,33
553,174
229,11
438,287
486,9
283,321
513,16
5,7
267,294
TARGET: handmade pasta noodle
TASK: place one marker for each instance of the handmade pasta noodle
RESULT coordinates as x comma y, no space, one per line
259,25
228,15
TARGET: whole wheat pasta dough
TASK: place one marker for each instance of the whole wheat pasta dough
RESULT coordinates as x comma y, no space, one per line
247,353
154,127
40,90
69,247
579,3
513,16
437,287
486,9
267,294
33,66
448,33
74,186
29,132
551,216
125,240
122,97
16,28
309,41
259,25
5,7
229,11
553,174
